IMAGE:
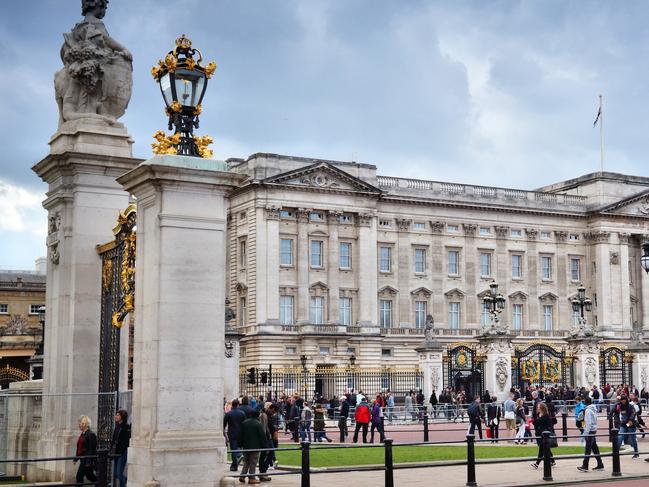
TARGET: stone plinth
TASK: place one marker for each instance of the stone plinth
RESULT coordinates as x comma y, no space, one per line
497,369
586,366
640,370
177,436
231,363
431,364
83,202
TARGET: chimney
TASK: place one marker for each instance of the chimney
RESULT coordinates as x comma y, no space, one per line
41,265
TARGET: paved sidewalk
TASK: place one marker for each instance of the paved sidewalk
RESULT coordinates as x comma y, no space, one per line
493,475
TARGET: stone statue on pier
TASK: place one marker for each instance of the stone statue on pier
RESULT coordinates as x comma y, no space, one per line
95,82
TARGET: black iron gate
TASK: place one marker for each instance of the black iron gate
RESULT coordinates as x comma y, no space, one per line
615,367
117,301
542,365
464,371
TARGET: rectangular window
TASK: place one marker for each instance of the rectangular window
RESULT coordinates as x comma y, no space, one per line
573,237
286,310
485,231
575,317
345,311
324,350
316,216
286,214
575,274
517,316
516,233
420,261
242,253
345,219
290,350
485,319
351,351
546,267
547,317
386,352
452,228
420,314
316,312
454,315
385,259
385,313
630,275
345,255
286,252
517,266
485,264
419,226
545,236
385,223
242,311
453,262
34,309
316,253
4,309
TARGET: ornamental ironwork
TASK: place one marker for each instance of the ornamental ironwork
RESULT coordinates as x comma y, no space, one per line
615,366
464,370
117,302
541,365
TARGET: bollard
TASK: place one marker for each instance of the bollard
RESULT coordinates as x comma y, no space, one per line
306,464
616,453
389,471
610,428
547,459
564,425
470,461
425,426
102,468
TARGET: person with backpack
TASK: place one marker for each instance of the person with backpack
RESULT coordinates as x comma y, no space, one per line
625,421
305,422
580,407
362,417
589,433
475,417
494,414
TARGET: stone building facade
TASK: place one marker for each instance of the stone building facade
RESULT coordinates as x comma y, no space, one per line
328,259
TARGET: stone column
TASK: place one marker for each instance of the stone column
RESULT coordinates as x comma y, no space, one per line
271,257
640,367
231,363
404,270
586,354
438,271
644,288
431,364
333,264
83,202
498,364
625,291
367,278
180,321
603,281
472,273
302,257
532,279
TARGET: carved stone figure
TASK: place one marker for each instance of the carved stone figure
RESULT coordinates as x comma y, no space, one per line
430,326
53,226
229,312
95,82
434,377
17,325
590,370
229,349
502,374
644,376
615,258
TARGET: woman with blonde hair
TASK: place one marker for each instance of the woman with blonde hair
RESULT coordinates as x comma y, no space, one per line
521,421
86,446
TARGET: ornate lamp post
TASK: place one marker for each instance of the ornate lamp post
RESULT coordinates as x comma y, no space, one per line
495,304
581,303
183,81
303,360
644,260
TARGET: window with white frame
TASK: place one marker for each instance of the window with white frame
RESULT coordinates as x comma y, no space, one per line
316,253
243,310
420,314
517,316
576,315
345,218
547,317
345,255
34,309
345,311
546,267
484,315
286,310
454,262
575,264
485,264
385,313
286,214
385,223
485,231
516,232
290,350
517,266
4,309
573,237
419,226
452,228
316,310
242,252
286,252
454,315
546,235
420,261
385,259
324,350
316,216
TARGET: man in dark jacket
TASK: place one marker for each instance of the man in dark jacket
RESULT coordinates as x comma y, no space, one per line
251,437
433,403
245,406
342,420
625,420
119,445
475,417
232,420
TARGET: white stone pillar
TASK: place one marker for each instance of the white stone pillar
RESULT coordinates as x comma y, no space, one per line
603,282
498,365
625,291
180,320
333,267
431,364
640,368
83,202
368,277
271,256
302,257
586,354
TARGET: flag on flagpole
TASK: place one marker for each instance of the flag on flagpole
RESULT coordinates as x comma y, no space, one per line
599,114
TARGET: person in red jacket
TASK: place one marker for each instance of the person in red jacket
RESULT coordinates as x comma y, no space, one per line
362,416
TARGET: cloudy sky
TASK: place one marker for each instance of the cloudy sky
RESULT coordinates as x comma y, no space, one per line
490,92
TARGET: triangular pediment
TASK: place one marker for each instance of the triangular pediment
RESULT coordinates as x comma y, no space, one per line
388,290
518,295
548,297
319,285
322,176
635,205
455,292
421,291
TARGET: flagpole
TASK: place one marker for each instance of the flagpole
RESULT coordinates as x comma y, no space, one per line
601,134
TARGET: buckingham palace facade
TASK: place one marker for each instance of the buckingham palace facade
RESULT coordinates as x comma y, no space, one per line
329,260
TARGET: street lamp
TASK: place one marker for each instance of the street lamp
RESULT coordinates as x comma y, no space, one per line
581,303
494,301
644,260
183,81
352,360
